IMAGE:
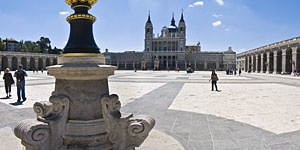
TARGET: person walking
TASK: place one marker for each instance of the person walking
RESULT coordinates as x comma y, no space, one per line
20,74
240,72
214,78
8,81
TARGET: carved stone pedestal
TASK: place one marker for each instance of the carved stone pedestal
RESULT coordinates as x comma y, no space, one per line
80,114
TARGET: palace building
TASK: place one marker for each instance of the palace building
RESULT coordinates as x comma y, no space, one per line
168,50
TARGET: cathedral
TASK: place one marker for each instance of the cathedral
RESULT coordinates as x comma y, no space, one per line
168,51
169,47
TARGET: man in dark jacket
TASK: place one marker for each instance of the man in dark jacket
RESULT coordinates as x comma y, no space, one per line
20,74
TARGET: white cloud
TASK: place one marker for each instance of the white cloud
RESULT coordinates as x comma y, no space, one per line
217,23
64,12
217,16
198,3
220,2
227,29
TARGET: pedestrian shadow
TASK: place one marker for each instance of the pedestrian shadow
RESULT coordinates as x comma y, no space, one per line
5,98
16,103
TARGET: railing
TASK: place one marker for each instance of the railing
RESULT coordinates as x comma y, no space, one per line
26,53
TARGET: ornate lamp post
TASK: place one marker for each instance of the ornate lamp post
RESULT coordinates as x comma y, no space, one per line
80,114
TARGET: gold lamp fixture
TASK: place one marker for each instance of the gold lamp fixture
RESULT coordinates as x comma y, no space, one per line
81,39
81,3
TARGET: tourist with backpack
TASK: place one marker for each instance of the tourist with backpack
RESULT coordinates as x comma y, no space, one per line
20,75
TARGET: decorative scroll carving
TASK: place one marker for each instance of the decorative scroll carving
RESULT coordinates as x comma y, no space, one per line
125,132
32,132
42,108
36,134
51,111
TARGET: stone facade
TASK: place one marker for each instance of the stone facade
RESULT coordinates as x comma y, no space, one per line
29,61
170,50
278,58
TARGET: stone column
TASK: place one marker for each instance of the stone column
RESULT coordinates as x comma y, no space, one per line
268,63
205,65
262,63
19,61
185,65
125,65
9,62
294,58
36,63
283,61
176,64
245,63
44,62
51,61
117,64
195,65
256,63
275,63
133,64
217,65
28,63
252,62
167,64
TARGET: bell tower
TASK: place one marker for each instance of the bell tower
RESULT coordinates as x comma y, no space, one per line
182,34
148,34
149,28
182,27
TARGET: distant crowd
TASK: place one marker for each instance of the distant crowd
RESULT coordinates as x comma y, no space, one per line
233,71
296,72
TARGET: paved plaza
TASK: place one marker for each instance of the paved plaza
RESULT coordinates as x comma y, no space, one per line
251,112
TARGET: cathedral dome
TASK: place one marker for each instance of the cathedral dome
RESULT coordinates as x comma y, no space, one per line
172,28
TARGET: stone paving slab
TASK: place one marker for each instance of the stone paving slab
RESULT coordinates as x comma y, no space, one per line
272,107
195,123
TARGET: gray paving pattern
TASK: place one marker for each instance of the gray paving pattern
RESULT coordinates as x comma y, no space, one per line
194,131
206,132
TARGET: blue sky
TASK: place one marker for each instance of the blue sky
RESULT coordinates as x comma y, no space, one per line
217,24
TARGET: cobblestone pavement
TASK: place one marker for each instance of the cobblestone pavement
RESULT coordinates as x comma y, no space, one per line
251,112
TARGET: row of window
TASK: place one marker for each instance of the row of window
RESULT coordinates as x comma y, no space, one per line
165,49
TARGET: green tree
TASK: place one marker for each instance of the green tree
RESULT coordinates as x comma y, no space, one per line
21,46
2,45
32,47
55,51
44,44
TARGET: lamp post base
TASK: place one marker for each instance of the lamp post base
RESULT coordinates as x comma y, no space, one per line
80,114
